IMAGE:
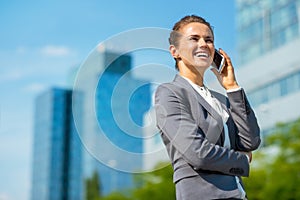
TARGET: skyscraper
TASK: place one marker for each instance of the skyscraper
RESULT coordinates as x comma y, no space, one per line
103,137
56,167
268,65
264,26
114,103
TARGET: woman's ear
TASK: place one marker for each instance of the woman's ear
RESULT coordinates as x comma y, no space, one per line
174,52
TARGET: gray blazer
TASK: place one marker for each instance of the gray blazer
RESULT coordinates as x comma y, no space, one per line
193,134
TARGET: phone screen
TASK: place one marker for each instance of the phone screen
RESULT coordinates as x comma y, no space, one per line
218,61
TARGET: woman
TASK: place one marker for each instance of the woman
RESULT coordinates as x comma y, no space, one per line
195,123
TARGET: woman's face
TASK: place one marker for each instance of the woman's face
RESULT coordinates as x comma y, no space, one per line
196,46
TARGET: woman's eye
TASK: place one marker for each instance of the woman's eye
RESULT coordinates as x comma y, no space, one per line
209,41
194,38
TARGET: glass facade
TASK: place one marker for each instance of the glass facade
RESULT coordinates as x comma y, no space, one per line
61,165
121,101
117,93
275,90
56,170
264,26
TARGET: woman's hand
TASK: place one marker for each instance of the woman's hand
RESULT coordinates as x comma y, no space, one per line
226,77
248,154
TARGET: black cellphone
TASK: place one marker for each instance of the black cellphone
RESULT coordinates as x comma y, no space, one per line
218,61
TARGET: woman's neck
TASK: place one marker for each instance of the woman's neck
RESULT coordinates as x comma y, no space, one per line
193,75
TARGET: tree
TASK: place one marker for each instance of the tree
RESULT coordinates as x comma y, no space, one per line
156,185
92,187
276,173
116,196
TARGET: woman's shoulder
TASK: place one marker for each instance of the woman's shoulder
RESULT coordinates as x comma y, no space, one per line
178,84
171,87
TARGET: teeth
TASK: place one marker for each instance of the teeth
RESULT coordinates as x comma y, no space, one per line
202,55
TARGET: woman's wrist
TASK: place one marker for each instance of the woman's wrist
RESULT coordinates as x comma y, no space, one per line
231,86
234,89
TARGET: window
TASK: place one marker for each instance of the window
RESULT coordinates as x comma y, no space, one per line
275,90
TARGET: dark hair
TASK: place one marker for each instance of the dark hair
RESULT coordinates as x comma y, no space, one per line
175,35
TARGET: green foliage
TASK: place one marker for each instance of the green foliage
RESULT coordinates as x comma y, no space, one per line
155,185
92,187
116,196
276,173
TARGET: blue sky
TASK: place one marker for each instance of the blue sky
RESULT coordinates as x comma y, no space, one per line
40,41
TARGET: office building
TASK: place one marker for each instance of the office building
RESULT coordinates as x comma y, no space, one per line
268,65
264,26
114,103
56,167
105,135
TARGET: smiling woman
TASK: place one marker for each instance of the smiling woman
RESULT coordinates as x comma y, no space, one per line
195,50
209,144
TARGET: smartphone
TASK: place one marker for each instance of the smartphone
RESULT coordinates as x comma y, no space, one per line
218,61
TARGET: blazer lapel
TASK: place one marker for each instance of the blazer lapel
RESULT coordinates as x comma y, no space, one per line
212,134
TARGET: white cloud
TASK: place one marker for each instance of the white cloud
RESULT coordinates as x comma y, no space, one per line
47,50
12,75
52,50
34,87
4,196
21,50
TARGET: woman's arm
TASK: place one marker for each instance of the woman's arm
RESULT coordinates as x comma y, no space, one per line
248,136
175,120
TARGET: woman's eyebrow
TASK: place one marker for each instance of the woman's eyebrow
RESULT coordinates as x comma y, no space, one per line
196,35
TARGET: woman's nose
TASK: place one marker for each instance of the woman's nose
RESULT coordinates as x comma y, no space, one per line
202,42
